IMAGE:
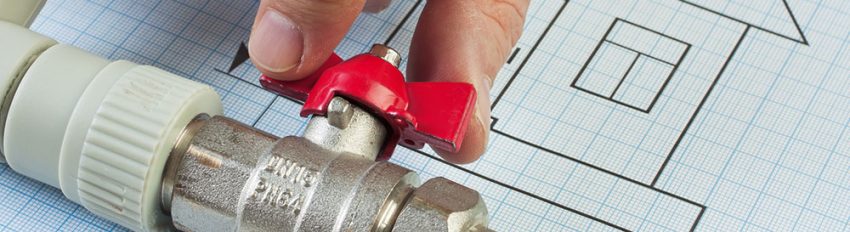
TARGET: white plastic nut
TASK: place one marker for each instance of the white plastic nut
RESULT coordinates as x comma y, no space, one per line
99,130
129,141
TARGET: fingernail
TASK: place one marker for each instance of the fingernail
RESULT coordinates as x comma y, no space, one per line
276,44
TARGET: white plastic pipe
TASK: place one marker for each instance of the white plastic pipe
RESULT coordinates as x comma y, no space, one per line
99,130
21,12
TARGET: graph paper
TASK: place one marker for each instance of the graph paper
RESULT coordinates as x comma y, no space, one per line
610,115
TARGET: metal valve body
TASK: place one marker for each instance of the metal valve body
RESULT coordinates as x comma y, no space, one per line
229,176
232,177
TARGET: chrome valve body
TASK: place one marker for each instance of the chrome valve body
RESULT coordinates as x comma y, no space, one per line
231,177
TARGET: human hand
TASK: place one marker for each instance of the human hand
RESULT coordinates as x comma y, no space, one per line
454,41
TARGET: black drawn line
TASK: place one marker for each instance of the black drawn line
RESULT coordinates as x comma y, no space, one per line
590,58
515,189
266,109
669,77
797,25
791,13
648,29
611,99
696,222
605,40
513,55
237,78
401,24
701,104
547,150
638,52
623,78
530,53
617,175
240,57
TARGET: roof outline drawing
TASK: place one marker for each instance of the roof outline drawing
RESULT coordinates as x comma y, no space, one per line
793,19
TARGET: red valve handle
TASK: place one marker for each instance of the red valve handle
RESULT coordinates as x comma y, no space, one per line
436,113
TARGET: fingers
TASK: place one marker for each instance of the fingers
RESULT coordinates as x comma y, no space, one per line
466,41
459,41
292,38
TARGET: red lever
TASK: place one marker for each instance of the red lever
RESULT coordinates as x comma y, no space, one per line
435,113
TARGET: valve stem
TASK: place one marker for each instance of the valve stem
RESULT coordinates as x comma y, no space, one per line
386,53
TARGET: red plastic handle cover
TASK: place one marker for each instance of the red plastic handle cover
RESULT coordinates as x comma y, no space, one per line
436,113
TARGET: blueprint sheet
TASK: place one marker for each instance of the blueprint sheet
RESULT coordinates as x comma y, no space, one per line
610,115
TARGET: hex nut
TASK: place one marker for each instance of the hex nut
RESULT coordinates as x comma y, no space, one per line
443,205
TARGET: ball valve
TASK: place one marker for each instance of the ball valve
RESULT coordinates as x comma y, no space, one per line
151,151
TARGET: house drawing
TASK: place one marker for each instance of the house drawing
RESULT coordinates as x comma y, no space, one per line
629,78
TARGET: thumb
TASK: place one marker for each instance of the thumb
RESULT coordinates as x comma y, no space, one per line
291,38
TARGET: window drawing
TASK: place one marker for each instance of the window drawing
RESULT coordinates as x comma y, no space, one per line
631,66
